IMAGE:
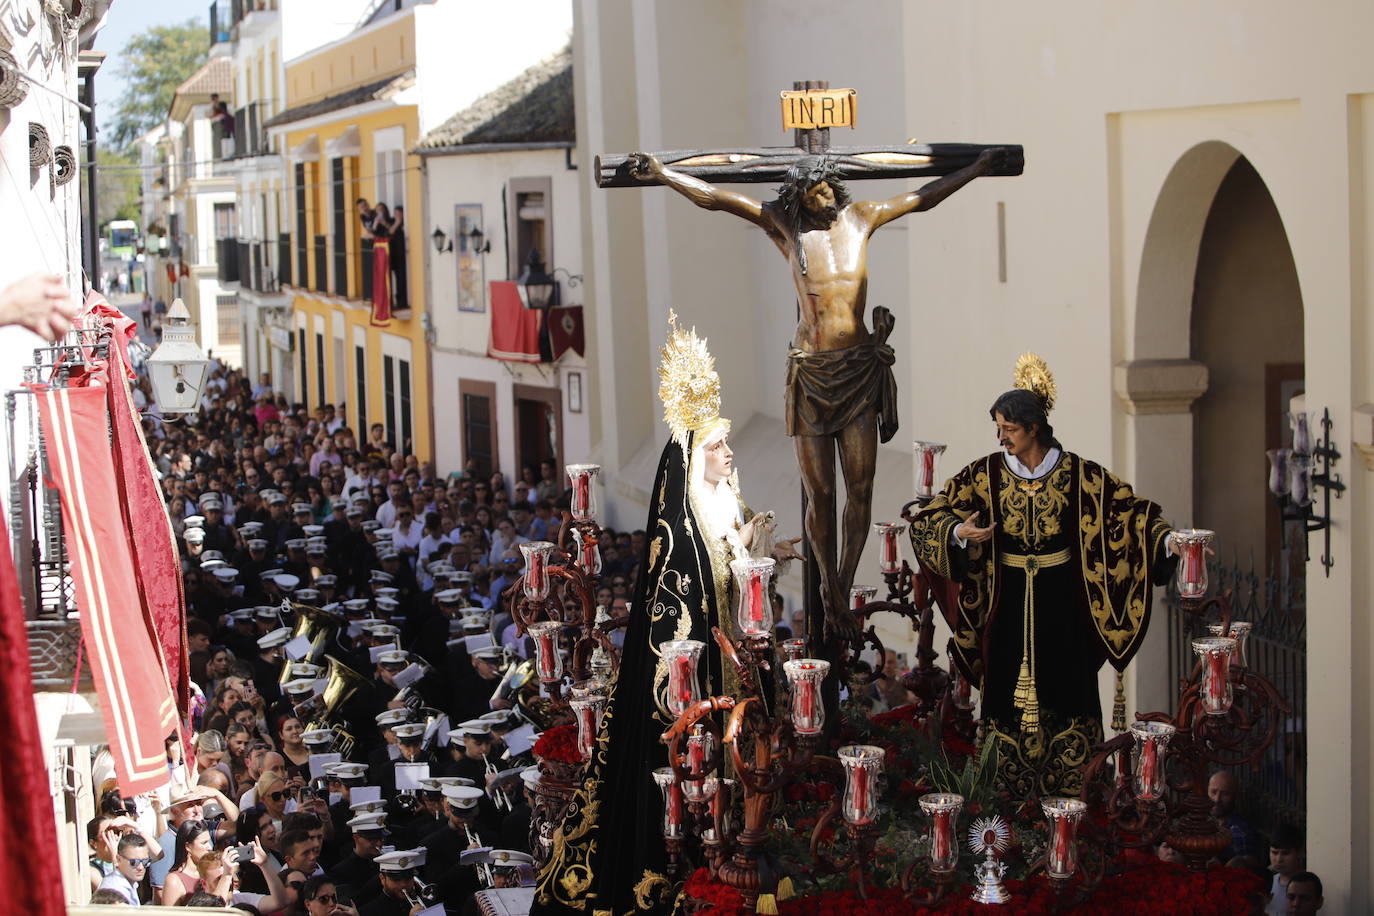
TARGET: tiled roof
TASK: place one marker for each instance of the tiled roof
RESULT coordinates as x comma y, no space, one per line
370,92
215,75
535,107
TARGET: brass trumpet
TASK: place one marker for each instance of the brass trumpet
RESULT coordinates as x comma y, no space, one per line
425,895
319,626
341,682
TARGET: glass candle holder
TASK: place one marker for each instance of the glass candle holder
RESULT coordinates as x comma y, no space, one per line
927,467
889,556
943,809
600,661
1215,691
1240,631
1191,545
700,745
1151,747
682,657
1302,434
587,710
1300,479
586,553
537,568
722,807
1279,483
793,649
863,764
752,613
859,595
1061,859
667,783
804,676
548,661
582,502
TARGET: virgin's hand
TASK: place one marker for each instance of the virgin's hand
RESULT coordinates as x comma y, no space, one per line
968,530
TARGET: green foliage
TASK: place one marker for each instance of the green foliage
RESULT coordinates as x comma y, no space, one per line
976,781
153,63
119,186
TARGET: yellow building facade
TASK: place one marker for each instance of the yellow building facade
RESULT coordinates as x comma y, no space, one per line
348,125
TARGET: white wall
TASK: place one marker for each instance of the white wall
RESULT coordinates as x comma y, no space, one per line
461,338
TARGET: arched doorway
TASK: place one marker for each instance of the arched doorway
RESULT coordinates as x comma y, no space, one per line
1218,292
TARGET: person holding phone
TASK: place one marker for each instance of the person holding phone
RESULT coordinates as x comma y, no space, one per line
321,898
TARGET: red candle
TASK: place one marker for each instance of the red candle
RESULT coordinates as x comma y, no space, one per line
889,549
756,598
696,758
927,470
860,795
547,653
684,672
859,601
1123,765
675,807
940,838
1216,676
1149,769
1192,561
806,697
965,688
582,491
537,570
1063,846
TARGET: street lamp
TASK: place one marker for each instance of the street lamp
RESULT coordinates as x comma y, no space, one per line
536,287
178,366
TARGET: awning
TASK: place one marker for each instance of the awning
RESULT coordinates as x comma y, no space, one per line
348,143
307,151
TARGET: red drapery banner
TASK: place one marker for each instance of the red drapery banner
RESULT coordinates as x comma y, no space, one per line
381,282
28,830
566,331
145,516
514,328
121,639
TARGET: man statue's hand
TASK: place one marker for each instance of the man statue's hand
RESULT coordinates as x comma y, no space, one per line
990,160
645,166
968,530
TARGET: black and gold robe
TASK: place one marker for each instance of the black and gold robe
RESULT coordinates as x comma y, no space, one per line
1104,549
609,857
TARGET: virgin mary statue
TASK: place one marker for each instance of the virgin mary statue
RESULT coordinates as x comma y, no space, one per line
609,857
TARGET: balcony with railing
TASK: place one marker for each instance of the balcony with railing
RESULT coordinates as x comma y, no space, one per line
250,138
283,258
365,256
220,22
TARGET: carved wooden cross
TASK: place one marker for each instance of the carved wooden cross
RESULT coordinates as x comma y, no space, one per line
770,164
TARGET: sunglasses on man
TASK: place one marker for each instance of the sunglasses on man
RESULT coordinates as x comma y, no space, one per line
137,863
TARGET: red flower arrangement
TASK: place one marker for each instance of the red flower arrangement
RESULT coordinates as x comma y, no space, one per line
559,745
1160,889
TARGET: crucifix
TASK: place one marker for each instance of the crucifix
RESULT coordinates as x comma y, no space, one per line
840,392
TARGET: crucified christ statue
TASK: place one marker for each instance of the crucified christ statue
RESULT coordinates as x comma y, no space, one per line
840,393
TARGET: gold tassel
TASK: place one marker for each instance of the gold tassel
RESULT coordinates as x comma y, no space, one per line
1025,686
1119,706
768,905
786,890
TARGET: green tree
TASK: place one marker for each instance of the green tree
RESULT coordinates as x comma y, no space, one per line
120,186
153,63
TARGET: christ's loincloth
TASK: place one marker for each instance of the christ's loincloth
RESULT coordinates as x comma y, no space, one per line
828,390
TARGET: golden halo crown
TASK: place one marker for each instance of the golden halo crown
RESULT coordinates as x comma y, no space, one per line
1034,376
688,384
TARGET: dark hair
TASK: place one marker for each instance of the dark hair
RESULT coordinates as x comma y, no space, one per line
1026,408
801,177
1307,877
203,898
312,886
1286,836
248,823
187,834
301,820
129,841
107,895
291,839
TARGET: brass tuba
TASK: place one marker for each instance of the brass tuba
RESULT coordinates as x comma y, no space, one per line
317,625
341,682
